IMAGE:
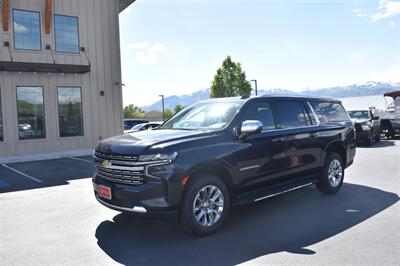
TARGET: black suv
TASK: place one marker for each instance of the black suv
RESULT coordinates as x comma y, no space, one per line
218,153
367,125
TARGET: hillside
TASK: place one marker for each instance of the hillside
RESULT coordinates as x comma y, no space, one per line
360,89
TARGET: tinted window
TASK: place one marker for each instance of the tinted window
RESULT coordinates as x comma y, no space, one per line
66,34
290,114
1,121
70,111
26,30
359,114
329,112
260,111
30,109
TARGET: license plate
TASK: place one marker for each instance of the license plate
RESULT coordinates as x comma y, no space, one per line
105,192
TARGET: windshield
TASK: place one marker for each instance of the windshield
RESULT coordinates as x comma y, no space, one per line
358,114
204,116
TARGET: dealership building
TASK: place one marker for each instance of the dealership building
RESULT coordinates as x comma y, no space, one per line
60,76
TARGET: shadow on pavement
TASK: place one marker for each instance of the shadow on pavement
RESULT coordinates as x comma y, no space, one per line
50,172
288,223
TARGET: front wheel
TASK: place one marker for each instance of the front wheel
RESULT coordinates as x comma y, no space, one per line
205,205
331,178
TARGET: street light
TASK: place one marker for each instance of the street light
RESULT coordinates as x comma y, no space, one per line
255,84
163,112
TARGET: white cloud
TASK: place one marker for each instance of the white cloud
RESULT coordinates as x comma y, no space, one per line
358,12
19,28
148,53
138,45
386,9
157,47
146,58
392,24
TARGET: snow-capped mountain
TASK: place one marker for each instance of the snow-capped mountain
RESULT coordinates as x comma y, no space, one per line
359,89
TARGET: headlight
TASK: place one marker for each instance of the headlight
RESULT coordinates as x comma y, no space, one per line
159,157
161,171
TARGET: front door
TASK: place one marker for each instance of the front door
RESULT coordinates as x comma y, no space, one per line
264,156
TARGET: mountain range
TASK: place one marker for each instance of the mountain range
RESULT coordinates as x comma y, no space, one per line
359,89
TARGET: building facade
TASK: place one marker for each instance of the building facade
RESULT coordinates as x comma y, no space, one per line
60,74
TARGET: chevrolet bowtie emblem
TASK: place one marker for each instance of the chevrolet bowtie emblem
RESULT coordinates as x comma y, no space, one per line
106,164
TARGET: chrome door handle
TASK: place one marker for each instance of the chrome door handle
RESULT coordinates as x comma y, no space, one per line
314,134
278,139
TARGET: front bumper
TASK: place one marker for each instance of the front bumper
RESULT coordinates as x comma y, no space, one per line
149,199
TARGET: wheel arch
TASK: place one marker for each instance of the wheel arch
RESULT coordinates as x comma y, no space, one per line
216,169
337,147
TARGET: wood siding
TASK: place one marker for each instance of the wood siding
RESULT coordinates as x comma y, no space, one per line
102,115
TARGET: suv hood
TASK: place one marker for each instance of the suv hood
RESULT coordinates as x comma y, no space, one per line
135,143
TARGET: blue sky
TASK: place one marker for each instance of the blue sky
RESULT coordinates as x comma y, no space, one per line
175,47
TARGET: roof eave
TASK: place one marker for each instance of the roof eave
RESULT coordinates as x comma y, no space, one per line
123,4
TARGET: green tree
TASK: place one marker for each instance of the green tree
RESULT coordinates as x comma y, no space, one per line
168,113
132,111
177,108
230,80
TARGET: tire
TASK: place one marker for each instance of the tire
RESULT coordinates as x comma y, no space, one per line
194,195
329,184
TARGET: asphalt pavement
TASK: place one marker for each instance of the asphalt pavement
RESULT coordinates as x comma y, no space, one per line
48,216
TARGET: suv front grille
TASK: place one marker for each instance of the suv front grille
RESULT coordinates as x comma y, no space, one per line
121,176
117,168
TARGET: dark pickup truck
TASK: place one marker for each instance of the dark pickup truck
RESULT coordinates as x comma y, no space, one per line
219,153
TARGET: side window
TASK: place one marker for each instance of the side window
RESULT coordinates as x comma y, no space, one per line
70,117
328,112
30,110
66,34
26,27
290,114
260,111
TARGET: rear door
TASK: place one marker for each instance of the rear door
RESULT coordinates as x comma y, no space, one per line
299,131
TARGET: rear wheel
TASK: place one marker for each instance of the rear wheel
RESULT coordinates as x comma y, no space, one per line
331,178
205,205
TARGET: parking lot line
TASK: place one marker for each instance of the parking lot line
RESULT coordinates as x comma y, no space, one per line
79,159
23,174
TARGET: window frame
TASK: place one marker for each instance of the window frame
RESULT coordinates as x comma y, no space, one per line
58,114
40,30
44,113
55,34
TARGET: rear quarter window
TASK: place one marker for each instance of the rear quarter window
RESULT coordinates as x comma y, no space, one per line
329,112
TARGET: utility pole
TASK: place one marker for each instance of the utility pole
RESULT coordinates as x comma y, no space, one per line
255,84
163,111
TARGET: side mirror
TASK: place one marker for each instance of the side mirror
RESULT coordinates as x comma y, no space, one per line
249,127
375,118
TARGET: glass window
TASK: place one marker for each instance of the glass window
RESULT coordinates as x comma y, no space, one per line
70,116
359,114
262,112
66,34
207,116
26,30
329,112
1,121
30,109
290,114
